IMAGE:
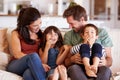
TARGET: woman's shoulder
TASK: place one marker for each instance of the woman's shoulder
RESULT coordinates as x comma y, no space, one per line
15,33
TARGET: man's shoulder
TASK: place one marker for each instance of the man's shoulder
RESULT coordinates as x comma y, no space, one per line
69,32
102,30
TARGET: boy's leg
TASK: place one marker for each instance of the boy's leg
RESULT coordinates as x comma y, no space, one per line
96,55
85,54
97,50
85,50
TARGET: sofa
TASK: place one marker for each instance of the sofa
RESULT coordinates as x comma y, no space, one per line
5,54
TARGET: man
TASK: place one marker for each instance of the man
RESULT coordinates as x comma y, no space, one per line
77,18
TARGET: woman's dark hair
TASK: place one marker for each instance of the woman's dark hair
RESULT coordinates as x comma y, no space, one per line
49,29
76,11
89,25
25,18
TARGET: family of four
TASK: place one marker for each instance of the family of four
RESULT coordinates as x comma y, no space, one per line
85,51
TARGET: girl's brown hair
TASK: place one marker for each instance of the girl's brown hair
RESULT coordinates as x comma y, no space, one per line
49,29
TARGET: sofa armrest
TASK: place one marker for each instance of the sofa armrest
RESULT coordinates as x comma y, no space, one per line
4,75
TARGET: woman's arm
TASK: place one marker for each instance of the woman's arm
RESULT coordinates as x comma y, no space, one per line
16,46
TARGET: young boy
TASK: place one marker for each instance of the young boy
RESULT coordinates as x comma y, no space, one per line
90,51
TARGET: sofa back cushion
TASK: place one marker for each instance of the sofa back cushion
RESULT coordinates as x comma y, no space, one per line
4,49
3,40
4,60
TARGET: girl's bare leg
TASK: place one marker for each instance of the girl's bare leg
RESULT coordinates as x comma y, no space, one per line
55,74
63,72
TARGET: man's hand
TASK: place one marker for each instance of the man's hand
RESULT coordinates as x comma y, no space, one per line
102,61
76,59
107,60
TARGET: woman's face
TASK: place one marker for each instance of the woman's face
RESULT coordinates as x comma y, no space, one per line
35,26
52,37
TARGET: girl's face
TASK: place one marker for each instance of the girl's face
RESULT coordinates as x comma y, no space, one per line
89,33
52,37
35,26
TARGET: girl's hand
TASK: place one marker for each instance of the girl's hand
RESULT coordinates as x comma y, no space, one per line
49,43
46,67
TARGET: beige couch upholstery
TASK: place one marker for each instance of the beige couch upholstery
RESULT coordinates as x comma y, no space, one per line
4,58
5,55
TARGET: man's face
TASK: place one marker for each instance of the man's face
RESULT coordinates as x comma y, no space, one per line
74,24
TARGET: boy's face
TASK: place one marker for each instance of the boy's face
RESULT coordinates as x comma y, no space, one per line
89,33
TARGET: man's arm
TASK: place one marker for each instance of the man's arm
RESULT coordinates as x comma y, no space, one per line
68,61
72,59
108,57
107,61
107,43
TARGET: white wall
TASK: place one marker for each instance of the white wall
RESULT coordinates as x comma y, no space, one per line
11,21
42,6
8,21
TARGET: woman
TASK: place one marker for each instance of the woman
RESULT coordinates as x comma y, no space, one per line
25,40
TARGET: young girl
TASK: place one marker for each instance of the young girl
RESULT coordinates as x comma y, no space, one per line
90,51
52,51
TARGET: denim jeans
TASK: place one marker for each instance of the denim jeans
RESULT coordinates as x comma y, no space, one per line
29,67
52,56
77,72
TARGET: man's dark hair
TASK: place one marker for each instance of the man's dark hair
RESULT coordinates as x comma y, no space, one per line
76,11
